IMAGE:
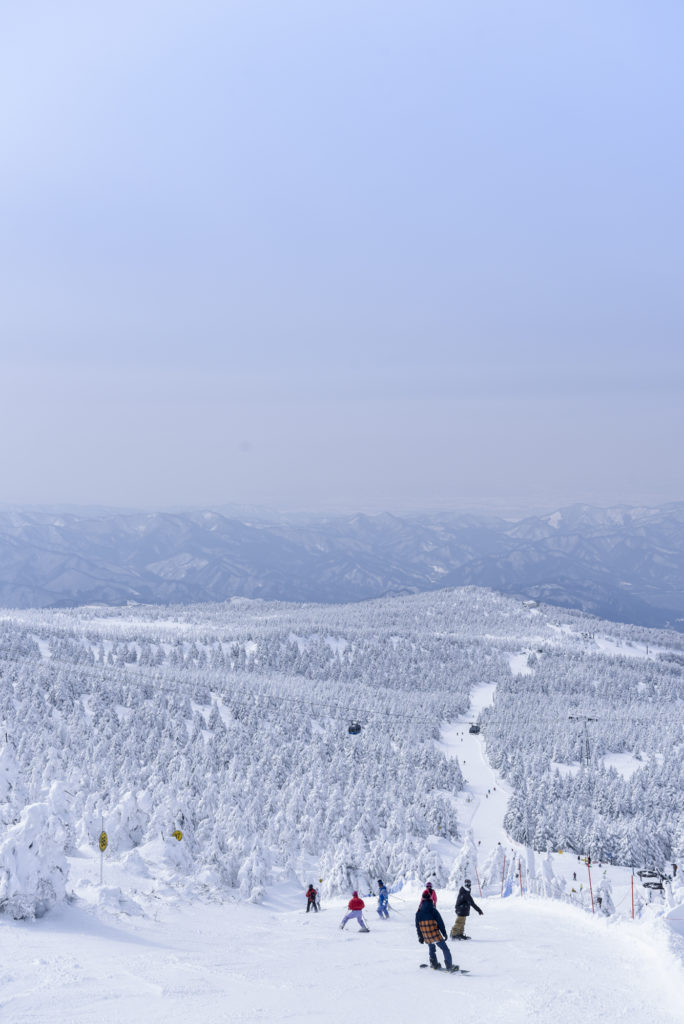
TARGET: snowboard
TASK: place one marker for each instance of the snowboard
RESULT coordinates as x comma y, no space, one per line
444,970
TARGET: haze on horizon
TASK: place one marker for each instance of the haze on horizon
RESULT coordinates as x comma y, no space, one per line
347,255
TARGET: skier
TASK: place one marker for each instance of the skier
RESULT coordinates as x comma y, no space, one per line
356,906
464,901
383,899
431,891
311,901
430,929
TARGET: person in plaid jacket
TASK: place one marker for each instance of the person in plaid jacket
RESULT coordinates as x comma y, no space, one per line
430,929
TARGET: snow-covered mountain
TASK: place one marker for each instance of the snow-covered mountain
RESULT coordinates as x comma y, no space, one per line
211,743
231,724
626,564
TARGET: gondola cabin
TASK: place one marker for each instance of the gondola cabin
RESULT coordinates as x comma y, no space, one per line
474,728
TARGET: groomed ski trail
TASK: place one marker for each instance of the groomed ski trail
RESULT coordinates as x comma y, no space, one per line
483,802
206,964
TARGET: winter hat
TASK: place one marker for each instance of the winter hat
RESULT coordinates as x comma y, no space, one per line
429,886
467,883
380,881
355,893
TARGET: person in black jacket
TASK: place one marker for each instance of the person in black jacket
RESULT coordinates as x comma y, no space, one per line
464,901
430,929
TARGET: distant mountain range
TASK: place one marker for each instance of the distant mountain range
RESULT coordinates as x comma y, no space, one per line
625,564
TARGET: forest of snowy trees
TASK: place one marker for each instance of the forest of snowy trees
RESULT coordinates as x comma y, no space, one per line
634,706
230,723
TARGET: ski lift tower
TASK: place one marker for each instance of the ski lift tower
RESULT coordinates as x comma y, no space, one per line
585,719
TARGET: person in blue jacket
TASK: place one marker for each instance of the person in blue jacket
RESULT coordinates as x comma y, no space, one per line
383,899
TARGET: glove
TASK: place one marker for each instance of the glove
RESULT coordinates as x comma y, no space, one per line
481,913
421,940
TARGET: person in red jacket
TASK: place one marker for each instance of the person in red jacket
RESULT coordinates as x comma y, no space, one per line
433,894
356,906
311,895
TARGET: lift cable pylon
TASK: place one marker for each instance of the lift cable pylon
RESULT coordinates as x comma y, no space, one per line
585,719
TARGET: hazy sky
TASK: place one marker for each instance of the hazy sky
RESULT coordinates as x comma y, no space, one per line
371,254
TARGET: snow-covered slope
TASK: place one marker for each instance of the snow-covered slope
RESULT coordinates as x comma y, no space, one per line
135,950
230,724
530,960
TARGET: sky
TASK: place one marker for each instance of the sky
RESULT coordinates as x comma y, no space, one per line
356,255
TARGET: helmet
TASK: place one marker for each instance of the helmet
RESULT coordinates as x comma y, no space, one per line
429,886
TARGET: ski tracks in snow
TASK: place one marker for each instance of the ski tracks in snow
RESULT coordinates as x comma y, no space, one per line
482,803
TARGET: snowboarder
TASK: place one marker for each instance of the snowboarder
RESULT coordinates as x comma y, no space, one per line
356,906
431,891
464,901
383,899
430,929
311,902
